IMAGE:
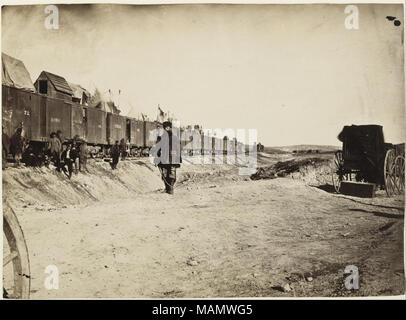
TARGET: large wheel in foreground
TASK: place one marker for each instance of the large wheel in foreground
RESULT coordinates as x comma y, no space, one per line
17,255
389,173
338,174
399,172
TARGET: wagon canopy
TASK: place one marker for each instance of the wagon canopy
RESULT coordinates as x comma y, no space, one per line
363,133
14,73
365,142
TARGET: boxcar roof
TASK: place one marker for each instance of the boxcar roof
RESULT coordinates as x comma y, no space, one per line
59,82
14,73
78,90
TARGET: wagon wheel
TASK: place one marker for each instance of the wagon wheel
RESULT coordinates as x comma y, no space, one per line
389,173
399,169
338,174
18,255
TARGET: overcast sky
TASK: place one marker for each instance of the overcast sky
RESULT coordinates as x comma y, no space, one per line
293,72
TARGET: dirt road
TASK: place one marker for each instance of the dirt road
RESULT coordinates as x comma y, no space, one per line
218,238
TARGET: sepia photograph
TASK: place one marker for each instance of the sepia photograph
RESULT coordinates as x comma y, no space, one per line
179,151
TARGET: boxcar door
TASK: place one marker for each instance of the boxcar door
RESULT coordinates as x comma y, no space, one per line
109,128
42,101
77,120
38,130
150,133
59,117
128,131
85,124
139,133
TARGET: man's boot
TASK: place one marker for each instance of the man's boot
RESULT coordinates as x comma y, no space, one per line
170,190
170,186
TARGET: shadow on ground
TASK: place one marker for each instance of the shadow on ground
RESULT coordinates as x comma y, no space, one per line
380,214
326,187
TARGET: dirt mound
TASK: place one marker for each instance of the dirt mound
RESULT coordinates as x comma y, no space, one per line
311,170
45,186
209,174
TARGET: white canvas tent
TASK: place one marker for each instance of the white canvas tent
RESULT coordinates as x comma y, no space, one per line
114,103
14,73
105,102
79,93
124,104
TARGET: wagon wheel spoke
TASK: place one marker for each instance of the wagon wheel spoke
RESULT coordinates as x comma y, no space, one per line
390,184
396,185
399,173
337,171
394,176
390,173
401,164
10,257
402,173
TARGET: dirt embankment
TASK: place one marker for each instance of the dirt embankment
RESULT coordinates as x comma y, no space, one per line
314,171
47,187
284,168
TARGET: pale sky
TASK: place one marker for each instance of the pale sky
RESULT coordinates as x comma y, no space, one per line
293,72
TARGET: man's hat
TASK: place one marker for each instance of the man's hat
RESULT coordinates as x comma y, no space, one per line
167,124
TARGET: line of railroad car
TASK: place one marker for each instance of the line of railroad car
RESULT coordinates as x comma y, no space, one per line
39,115
51,104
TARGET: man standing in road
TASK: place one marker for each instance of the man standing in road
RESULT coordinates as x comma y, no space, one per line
167,157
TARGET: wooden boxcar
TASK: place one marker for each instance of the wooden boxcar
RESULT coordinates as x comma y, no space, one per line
182,138
15,112
150,135
135,132
187,142
40,115
202,142
226,145
196,142
115,128
59,117
78,123
218,145
96,126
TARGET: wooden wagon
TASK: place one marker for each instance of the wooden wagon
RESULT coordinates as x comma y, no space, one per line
366,157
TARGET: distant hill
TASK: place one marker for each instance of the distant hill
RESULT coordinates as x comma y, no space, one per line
301,148
272,150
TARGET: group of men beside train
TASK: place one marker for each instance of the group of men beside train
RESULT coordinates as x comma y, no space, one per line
67,156
71,156
14,145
